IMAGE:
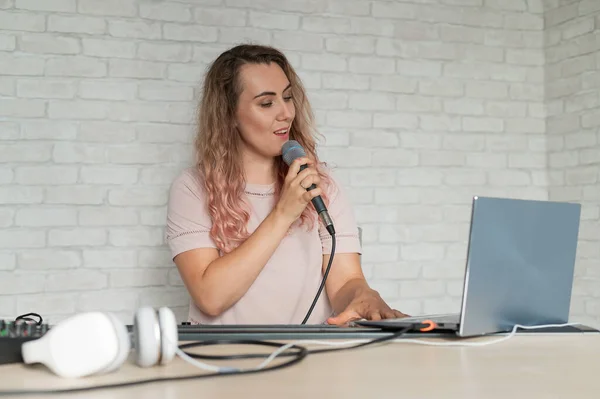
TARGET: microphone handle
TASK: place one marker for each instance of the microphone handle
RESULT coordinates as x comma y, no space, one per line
320,207
313,186
317,201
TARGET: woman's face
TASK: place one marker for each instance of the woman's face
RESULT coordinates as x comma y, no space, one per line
265,109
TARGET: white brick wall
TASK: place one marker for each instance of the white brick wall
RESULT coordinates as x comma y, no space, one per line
423,105
572,71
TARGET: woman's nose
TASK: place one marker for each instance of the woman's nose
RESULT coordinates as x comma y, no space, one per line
285,111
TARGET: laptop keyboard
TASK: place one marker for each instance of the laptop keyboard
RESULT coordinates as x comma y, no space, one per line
438,318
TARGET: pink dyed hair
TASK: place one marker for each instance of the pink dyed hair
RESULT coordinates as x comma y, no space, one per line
219,160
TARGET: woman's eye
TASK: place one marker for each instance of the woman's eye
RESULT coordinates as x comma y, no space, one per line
266,105
287,98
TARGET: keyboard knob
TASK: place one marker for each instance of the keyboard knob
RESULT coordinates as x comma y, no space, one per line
7,331
18,329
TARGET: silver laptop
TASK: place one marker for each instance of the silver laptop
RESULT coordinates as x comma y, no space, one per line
519,269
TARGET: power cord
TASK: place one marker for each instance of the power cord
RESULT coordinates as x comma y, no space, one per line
312,306
505,338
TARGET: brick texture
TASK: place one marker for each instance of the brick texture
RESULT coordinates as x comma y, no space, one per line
423,104
574,157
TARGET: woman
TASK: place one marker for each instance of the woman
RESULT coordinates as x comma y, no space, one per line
242,231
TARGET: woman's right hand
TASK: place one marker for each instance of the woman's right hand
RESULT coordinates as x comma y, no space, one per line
294,196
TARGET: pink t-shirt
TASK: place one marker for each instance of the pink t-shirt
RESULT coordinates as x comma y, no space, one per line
285,288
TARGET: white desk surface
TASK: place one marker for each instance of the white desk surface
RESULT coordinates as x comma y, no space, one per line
525,366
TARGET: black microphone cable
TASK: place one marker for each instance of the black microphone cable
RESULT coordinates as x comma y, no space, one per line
394,334
290,151
312,306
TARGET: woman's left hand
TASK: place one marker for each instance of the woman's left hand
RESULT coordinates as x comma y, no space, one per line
366,305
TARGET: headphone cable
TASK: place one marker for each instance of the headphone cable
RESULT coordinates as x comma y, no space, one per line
299,353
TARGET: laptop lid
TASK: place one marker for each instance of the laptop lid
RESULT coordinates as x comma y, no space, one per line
520,264
519,268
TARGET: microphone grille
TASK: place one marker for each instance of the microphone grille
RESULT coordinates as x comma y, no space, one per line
291,150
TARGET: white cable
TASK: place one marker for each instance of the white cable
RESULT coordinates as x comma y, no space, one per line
510,335
225,369
205,366
414,341
273,355
199,364
282,349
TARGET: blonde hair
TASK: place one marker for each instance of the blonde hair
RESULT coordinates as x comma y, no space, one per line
217,143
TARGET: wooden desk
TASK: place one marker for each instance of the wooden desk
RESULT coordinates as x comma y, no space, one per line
525,366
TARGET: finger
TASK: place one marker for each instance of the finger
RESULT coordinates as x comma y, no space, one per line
388,314
304,163
399,314
309,195
309,180
374,315
344,317
301,179
315,178
295,167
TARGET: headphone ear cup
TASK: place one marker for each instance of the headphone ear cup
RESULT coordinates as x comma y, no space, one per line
169,337
123,341
81,345
146,333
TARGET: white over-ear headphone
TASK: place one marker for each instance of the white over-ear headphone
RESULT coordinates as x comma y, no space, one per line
98,343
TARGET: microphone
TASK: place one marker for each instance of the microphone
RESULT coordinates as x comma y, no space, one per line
292,150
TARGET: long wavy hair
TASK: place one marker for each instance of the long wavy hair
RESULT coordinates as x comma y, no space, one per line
218,142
